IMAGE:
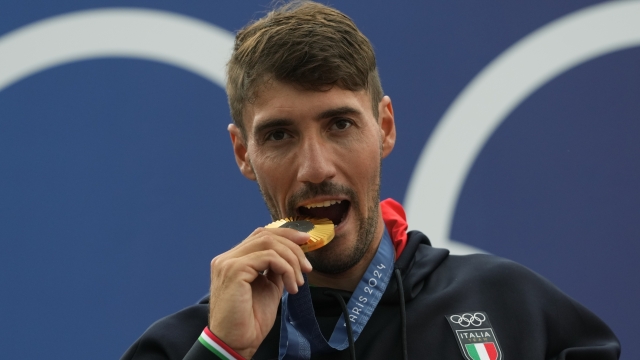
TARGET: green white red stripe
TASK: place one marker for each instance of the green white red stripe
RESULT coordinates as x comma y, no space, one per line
484,351
217,346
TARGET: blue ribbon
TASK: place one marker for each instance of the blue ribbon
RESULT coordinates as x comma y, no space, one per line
299,330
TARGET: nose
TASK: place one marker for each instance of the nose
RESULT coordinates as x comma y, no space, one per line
315,161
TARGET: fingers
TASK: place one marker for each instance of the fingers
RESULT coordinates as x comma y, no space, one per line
274,250
288,255
296,236
245,297
247,268
279,270
276,279
263,239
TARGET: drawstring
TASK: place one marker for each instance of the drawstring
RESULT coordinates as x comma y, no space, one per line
352,346
403,315
403,318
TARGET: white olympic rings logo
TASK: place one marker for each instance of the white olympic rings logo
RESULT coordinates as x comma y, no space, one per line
467,319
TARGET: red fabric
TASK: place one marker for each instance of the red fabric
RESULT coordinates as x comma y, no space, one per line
396,221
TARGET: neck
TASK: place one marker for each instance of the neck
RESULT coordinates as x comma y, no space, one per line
349,279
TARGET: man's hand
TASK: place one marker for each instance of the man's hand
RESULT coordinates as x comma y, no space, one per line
247,283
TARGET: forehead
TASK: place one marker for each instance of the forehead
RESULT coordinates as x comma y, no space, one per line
279,100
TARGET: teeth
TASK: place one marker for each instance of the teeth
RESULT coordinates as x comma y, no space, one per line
323,204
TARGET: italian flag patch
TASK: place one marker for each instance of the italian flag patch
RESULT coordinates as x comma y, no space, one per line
475,335
484,351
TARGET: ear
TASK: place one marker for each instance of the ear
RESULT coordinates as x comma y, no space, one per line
387,125
240,152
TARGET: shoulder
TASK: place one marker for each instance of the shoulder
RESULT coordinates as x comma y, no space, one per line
190,321
492,269
492,279
172,336
524,307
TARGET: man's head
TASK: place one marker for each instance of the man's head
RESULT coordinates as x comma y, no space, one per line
311,124
302,43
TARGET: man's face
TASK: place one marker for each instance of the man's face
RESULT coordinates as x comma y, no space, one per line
318,154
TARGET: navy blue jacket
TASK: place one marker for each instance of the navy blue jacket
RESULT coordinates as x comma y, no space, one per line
530,317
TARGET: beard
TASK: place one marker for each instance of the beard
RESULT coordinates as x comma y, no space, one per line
331,259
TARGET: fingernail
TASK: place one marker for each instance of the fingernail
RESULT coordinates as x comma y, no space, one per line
306,261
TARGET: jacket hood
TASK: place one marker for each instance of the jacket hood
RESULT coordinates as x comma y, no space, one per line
416,263
415,258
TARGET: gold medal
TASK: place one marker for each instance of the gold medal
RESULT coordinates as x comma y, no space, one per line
321,230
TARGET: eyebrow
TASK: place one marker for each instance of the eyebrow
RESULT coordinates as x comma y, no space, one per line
343,110
285,122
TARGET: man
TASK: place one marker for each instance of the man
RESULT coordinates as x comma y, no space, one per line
311,127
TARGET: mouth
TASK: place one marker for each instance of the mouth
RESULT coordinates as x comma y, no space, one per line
334,210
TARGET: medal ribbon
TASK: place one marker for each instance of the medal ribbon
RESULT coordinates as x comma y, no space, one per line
299,330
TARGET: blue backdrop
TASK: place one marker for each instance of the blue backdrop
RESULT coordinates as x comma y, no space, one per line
118,184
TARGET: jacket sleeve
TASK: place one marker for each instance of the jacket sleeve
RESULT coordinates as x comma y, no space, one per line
209,346
150,350
174,337
200,352
541,319
531,317
575,333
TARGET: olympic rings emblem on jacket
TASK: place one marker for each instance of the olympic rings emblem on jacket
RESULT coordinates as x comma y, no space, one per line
467,319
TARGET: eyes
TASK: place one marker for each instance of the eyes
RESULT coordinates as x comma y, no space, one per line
337,125
277,135
341,124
